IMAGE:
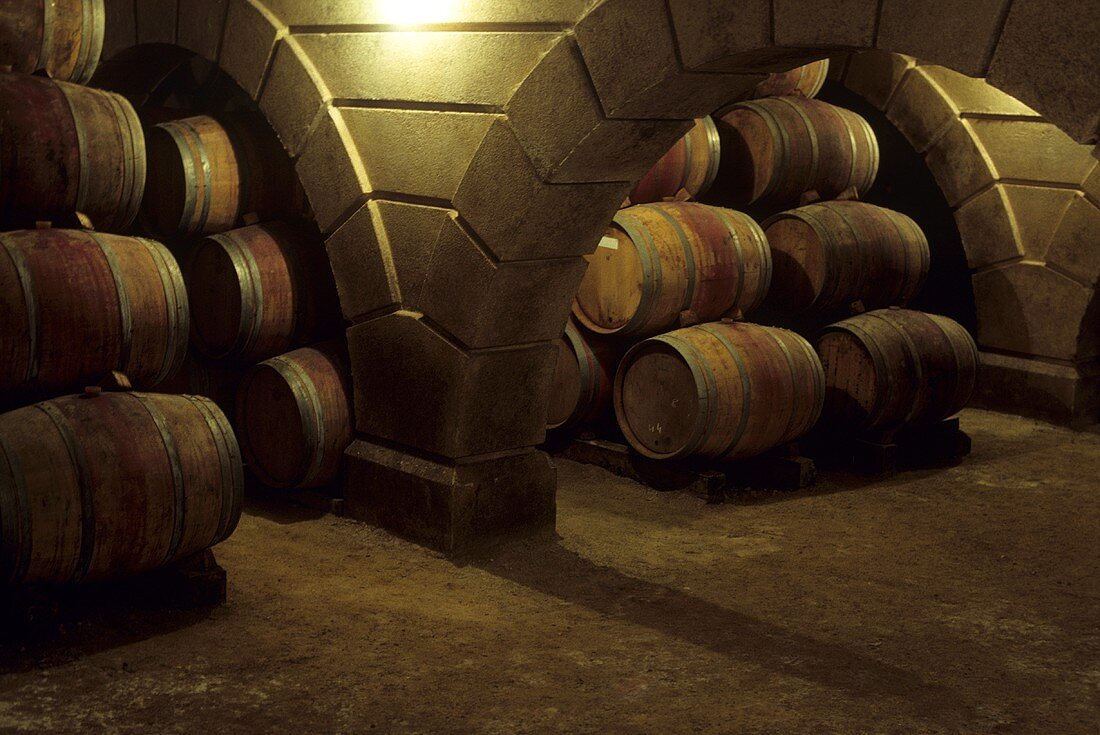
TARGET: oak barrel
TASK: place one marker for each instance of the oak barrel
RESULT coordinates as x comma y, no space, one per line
62,37
111,486
691,165
776,149
294,416
658,260
78,304
67,149
580,392
895,368
258,291
805,81
205,174
726,390
828,255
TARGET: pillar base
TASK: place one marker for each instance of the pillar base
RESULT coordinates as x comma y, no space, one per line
1063,394
455,507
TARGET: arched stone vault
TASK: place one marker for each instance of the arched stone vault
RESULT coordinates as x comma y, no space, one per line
463,168
1026,202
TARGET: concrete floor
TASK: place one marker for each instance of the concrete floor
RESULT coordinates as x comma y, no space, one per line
961,600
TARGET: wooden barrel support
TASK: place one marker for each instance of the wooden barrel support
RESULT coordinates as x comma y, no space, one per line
895,368
580,392
829,255
725,390
307,395
64,38
111,486
68,149
80,304
691,166
659,260
258,291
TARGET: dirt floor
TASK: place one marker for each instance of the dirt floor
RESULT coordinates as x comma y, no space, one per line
951,601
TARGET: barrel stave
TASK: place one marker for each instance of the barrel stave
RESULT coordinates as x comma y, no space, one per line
895,368
68,149
114,485
669,258
86,304
713,390
306,393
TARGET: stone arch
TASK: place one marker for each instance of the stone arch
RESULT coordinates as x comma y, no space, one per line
1019,190
462,171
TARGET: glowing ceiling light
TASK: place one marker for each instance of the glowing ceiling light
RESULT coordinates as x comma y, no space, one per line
416,12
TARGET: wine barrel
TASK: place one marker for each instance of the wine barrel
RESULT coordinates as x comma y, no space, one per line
805,81
206,173
727,390
895,368
828,255
776,149
258,291
659,260
111,486
68,149
62,37
580,392
690,165
294,416
77,305
199,376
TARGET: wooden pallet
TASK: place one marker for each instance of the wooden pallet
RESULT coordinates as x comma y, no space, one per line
935,445
195,582
783,469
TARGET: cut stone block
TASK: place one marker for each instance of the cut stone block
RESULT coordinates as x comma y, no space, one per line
520,217
1015,304
422,153
921,109
959,163
341,12
988,229
1075,247
1033,151
293,95
331,172
200,26
630,50
359,265
488,304
452,507
725,35
1041,43
467,403
974,96
559,120
481,68
1065,394
249,40
825,23
958,35
875,75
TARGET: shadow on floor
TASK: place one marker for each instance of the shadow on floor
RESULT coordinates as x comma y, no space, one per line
549,568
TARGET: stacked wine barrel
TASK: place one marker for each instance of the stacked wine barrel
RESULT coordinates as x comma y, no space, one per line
660,337
162,251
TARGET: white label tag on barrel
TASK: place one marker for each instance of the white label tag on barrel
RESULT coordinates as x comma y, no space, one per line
610,243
